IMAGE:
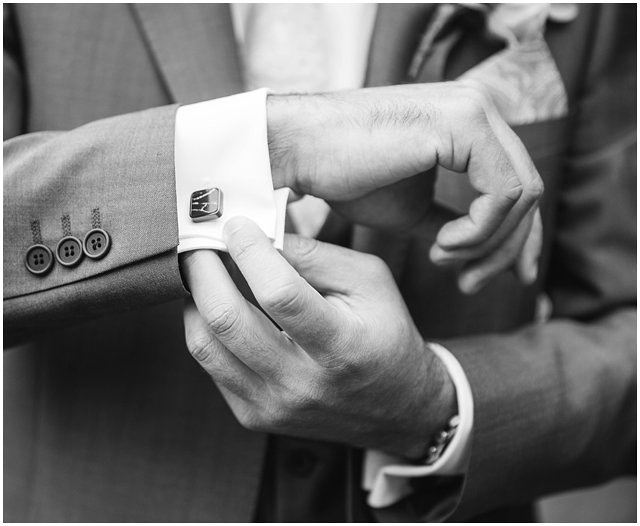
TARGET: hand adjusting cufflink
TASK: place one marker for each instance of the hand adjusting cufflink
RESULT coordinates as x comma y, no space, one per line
205,205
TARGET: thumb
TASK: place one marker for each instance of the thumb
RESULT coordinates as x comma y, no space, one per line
332,269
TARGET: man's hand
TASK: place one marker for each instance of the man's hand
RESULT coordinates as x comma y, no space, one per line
355,145
350,365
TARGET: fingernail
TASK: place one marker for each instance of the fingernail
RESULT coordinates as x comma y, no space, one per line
439,256
532,273
445,241
468,284
441,259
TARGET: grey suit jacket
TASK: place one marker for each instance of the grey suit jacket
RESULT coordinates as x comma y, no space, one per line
109,419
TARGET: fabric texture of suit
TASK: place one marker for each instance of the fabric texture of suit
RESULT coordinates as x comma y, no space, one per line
109,419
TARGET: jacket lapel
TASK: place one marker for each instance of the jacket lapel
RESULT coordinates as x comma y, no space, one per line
194,48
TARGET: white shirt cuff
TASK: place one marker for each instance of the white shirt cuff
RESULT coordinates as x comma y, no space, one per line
387,477
222,143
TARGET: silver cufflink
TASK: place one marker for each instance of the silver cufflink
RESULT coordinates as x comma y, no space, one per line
205,205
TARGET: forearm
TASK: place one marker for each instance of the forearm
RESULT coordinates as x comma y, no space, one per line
315,138
121,166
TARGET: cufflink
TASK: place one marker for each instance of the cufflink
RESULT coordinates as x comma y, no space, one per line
205,205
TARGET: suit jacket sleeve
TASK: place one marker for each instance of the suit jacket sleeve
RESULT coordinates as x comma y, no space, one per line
555,403
123,166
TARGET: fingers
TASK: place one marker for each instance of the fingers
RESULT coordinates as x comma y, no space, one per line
487,214
477,274
527,264
335,270
521,250
234,322
501,170
294,304
441,256
223,366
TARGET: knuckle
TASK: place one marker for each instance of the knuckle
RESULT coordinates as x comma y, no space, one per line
297,401
535,189
278,419
250,420
377,266
200,347
303,248
223,319
513,189
243,247
272,416
282,298
341,362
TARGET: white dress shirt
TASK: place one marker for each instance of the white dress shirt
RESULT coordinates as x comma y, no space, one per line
223,143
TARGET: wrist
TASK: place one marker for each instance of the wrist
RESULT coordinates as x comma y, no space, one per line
439,405
284,130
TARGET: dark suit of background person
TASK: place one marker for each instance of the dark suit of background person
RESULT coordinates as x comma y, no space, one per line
111,420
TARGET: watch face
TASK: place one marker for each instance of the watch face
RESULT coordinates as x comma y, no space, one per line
205,204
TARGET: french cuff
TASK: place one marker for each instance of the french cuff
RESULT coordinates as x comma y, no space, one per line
222,143
386,477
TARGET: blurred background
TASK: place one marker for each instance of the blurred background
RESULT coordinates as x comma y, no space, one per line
613,502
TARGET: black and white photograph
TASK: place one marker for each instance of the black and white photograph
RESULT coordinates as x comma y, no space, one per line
319,262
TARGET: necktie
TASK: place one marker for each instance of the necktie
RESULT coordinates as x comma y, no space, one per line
284,50
436,43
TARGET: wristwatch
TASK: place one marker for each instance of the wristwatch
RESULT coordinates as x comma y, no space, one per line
442,440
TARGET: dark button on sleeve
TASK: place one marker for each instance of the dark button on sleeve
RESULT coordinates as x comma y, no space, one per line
96,243
39,259
69,251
